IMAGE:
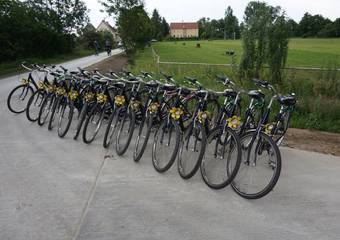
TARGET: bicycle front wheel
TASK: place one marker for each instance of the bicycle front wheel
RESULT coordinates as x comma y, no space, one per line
125,127
93,123
165,146
191,151
260,166
18,98
222,158
34,105
65,118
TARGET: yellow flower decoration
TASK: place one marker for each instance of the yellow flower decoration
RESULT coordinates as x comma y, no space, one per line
73,95
119,100
41,85
50,88
153,107
268,128
202,116
24,81
176,113
234,122
135,104
89,96
61,91
101,98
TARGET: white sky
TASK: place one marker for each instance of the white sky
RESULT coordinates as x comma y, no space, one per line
193,10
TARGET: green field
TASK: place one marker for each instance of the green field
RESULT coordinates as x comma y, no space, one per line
318,91
302,52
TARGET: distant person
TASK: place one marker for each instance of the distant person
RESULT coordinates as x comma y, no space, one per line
96,47
108,47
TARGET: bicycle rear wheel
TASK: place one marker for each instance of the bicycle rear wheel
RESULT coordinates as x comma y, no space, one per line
260,167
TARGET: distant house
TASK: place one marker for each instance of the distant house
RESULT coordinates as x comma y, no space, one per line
105,26
184,30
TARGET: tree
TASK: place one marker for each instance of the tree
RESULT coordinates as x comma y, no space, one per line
310,25
265,40
232,29
63,16
277,48
293,28
32,28
116,6
134,27
165,28
156,21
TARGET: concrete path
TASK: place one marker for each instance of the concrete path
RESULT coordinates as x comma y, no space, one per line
52,188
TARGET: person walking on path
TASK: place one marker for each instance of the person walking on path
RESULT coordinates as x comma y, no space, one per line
96,47
108,47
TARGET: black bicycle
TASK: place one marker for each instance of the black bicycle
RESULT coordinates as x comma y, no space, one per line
261,158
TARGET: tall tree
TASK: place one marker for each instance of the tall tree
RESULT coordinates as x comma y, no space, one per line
64,16
134,25
165,28
265,40
310,25
116,6
277,48
232,29
156,21
293,28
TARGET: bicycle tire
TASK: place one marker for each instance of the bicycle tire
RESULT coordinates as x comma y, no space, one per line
62,133
32,101
215,134
187,174
9,98
121,151
137,155
274,179
170,160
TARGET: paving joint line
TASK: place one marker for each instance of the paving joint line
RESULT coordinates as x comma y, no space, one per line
90,198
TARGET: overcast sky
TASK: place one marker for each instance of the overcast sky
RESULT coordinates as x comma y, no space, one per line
193,10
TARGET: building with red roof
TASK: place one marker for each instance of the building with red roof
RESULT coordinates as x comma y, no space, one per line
184,30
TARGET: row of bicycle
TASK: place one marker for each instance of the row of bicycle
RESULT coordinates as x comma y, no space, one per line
201,128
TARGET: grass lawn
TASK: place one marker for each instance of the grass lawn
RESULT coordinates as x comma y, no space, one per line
302,52
14,66
318,92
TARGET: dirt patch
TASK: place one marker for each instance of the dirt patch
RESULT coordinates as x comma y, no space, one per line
114,63
314,141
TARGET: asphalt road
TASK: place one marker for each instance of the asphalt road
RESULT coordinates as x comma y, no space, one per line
52,188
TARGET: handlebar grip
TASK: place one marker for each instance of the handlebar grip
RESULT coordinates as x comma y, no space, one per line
192,80
261,83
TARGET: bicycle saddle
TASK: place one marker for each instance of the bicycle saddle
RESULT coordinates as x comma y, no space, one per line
256,94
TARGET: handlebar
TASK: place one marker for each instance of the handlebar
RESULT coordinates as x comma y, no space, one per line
224,80
265,84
